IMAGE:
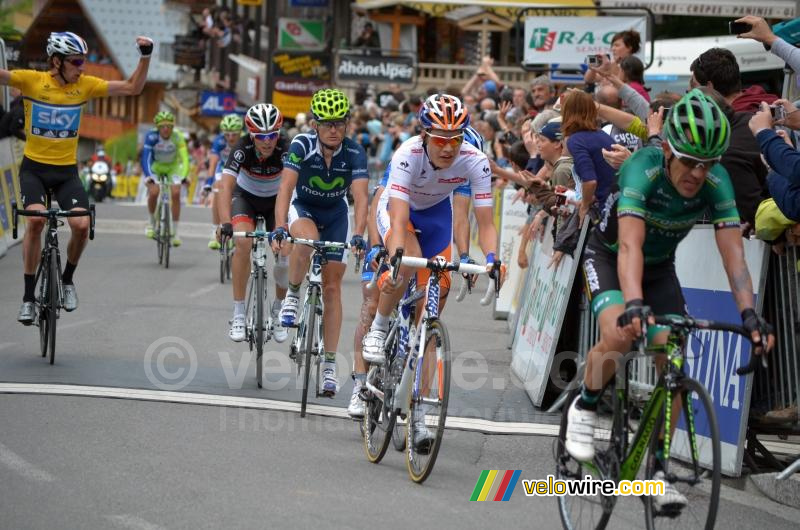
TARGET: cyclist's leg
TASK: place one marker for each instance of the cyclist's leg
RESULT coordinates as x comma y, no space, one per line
71,195
153,189
434,228
242,219
213,199
33,198
303,226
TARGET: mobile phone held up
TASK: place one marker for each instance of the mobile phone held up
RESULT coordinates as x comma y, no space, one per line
737,28
778,112
593,60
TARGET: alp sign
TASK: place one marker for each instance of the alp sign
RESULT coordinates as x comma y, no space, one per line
217,103
353,67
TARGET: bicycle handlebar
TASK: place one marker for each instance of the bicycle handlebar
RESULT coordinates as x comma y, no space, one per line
440,264
51,214
317,244
688,323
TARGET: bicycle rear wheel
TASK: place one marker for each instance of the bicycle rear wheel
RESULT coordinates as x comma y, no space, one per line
696,439
434,377
379,420
41,307
52,310
258,323
310,329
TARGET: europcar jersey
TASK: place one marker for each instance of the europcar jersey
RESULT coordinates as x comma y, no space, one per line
646,192
318,185
222,149
53,113
255,175
414,179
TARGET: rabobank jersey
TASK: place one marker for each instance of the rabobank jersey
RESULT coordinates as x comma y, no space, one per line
53,113
222,149
318,185
415,180
254,174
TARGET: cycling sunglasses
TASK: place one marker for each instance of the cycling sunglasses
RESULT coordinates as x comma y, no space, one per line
76,62
695,163
265,136
443,141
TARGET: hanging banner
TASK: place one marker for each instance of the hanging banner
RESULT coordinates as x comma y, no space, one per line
297,76
352,66
732,9
568,40
300,34
217,103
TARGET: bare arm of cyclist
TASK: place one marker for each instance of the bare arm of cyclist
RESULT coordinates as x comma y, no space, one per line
227,184
360,190
134,85
729,242
372,219
5,77
630,264
399,214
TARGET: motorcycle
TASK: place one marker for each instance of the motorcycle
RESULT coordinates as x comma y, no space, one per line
99,181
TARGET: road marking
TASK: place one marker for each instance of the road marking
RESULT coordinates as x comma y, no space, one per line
453,422
133,522
205,290
18,464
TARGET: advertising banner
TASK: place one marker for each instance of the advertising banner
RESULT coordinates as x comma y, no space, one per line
301,34
354,67
568,40
297,76
217,103
513,217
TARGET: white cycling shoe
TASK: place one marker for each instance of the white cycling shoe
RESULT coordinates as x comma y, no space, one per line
278,331
580,432
237,332
373,343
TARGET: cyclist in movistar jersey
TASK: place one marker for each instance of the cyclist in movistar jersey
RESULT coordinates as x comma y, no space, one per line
165,154
250,183
231,130
629,260
53,105
312,204
415,212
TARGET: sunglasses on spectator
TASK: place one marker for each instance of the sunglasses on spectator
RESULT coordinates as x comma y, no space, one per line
328,125
695,163
76,62
263,137
443,141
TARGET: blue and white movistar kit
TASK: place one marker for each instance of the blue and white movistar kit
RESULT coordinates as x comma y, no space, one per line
428,191
321,191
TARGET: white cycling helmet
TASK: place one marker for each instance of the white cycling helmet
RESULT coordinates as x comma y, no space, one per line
263,118
66,43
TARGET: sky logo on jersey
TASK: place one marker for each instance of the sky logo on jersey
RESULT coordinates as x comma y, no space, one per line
55,122
317,182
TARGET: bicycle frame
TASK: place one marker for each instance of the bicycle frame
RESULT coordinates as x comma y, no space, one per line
312,302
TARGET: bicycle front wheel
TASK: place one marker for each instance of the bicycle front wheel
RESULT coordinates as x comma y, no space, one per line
42,309
690,466
428,405
52,310
379,421
222,265
310,329
165,234
258,324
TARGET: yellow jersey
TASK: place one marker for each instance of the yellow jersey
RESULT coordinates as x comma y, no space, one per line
53,113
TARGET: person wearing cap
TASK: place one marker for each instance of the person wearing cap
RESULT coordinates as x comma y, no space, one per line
53,102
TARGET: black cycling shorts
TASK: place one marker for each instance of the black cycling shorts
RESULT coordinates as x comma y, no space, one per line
662,291
36,179
246,206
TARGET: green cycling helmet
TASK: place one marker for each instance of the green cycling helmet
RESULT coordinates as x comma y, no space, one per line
163,117
697,127
231,123
329,104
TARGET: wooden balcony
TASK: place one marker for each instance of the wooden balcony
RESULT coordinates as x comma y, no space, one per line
438,75
102,129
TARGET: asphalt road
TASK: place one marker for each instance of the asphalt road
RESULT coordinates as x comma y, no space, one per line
151,461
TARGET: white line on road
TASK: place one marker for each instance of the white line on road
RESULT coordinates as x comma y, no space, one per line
204,290
21,466
133,522
453,422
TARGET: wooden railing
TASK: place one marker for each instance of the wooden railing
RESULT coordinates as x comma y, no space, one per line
437,75
102,129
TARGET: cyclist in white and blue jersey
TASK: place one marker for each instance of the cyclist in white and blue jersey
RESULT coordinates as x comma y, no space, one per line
312,204
461,199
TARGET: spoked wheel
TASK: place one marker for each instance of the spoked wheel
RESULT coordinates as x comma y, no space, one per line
222,271
379,419
159,245
258,323
581,512
228,263
165,239
691,493
398,436
306,357
52,310
429,408
41,308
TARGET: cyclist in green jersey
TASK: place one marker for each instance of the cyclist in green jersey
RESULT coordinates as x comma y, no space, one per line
629,260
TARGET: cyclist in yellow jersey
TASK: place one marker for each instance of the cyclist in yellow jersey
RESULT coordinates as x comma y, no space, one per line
53,103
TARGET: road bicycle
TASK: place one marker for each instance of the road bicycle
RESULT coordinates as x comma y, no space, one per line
163,226
259,327
628,435
307,347
225,252
407,383
50,298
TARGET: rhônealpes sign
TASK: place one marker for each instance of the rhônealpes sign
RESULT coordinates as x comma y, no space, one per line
353,66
